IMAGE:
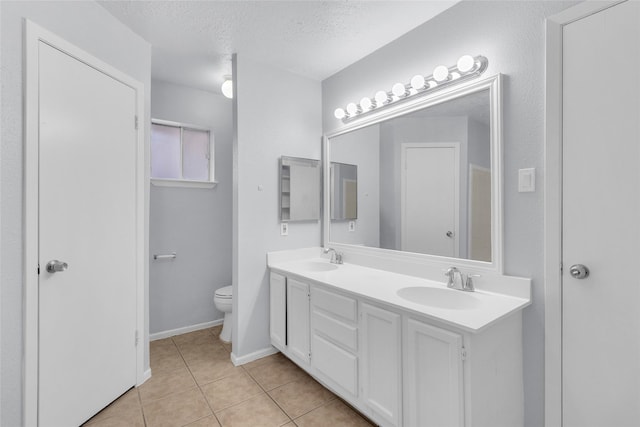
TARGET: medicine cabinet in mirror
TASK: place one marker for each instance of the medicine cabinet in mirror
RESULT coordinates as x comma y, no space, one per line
429,177
299,189
343,182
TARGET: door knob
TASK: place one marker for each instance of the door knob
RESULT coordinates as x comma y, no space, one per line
449,233
55,266
579,271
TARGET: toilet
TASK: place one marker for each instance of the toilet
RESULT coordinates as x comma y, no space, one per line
223,300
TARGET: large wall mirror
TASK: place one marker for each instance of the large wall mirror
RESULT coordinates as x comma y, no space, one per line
429,177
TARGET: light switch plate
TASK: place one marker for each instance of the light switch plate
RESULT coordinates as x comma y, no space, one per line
527,180
284,229
352,226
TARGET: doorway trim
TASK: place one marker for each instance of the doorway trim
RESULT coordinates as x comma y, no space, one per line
553,205
34,34
403,188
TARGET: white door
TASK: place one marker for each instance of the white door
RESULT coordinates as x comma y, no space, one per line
433,388
430,188
381,350
601,219
298,319
87,219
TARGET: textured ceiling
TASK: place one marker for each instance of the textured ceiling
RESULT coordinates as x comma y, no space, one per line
193,40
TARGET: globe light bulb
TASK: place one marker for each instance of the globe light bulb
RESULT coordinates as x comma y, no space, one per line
382,98
352,109
339,113
399,90
441,73
227,88
466,63
417,82
366,104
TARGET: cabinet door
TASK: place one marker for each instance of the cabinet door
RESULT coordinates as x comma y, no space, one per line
433,387
298,319
381,373
278,314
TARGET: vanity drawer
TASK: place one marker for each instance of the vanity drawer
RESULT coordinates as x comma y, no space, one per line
339,305
337,331
338,365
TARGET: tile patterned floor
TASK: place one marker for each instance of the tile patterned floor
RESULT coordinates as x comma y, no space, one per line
195,384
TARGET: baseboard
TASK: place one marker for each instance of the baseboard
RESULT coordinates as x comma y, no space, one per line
145,376
184,330
237,361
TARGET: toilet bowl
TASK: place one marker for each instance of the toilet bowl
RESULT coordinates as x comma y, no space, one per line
223,300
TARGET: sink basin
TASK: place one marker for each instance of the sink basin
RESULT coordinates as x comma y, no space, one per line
439,297
317,266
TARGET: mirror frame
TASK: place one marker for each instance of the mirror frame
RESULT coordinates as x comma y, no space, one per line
494,86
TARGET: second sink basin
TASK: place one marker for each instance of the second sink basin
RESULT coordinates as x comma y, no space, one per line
439,297
317,266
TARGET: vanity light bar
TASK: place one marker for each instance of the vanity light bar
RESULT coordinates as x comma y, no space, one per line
467,67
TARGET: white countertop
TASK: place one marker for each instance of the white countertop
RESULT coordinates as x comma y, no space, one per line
383,286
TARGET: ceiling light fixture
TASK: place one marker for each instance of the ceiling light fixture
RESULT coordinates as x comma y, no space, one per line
467,67
227,87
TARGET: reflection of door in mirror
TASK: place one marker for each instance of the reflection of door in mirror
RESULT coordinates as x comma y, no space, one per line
479,213
430,194
344,191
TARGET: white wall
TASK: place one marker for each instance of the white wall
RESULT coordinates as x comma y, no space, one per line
194,222
360,148
511,35
277,114
90,27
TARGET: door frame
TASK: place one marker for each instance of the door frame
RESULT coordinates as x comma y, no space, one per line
34,34
553,204
456,174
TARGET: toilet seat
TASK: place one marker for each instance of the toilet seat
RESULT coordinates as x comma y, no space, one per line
224,292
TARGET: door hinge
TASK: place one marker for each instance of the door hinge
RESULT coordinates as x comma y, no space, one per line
137,338
463,354
38,268
136,122
561,268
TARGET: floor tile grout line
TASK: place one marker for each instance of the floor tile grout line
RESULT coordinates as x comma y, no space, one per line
278,405
198,385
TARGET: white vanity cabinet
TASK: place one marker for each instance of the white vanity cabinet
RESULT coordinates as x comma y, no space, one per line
433,386
396,366
381,367
289,317
334,340
298,320
278,314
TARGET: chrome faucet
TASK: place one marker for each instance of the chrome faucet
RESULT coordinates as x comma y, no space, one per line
460,281
451,274
336,257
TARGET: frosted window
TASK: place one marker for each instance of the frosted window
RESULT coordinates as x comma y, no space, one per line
165,151
181,153
195,155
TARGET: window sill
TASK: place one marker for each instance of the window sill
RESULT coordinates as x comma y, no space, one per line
159,182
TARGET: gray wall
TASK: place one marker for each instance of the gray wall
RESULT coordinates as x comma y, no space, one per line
90,27
277,113
194,222
511,35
